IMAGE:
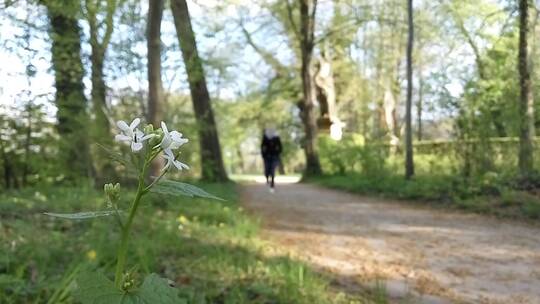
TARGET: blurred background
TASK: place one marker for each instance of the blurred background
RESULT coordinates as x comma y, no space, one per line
90,60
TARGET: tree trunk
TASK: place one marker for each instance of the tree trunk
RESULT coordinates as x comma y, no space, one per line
211,159
99,90
101,127
155,85
307,34
409,162
526,110
70,100
100,35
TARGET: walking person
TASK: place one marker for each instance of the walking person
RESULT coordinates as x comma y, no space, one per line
270,150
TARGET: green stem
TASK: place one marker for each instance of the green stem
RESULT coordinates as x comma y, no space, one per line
155,181
126,229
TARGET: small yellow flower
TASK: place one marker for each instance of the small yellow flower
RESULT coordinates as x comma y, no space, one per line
182,220
91,255
221,225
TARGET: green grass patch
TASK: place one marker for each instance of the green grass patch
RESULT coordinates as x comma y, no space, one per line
489,194
209,249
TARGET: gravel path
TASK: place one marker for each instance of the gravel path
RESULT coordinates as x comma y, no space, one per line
433,256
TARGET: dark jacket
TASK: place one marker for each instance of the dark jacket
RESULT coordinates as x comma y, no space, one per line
271,147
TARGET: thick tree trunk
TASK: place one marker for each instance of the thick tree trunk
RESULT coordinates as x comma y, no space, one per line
101,127
70,100
307,34
211,159
409,162
526,109
98,94
155,85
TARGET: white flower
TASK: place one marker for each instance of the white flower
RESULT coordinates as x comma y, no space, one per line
131,135
169,157
171,140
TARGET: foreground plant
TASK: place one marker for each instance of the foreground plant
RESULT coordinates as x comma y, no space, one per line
145,146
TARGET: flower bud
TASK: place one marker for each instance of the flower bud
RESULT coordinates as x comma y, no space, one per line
112,192
128,281
148,129
154,141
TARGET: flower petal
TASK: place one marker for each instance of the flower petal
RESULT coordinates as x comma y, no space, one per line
179,165
164,128
166,141
138,134
168,154
122,125
175,135
147,137
122,137
135,123
135,146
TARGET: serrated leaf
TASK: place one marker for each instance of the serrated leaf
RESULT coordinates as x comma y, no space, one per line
82,215
157,290
169,187
95,288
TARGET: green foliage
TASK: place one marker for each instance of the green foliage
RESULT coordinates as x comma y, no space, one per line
490,193
95,288
81,215
177,188
210,249
65,34
352,154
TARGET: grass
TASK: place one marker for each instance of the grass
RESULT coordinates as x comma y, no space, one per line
209,249
489,194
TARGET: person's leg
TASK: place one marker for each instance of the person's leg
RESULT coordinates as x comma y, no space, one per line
273,172
266,169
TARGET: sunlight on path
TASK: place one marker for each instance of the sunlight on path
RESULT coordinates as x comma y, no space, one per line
435,256
260,179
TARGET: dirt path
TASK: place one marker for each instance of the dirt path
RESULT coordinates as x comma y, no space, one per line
435,256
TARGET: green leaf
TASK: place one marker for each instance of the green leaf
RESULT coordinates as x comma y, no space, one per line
82,215
95,288
157,290
176,188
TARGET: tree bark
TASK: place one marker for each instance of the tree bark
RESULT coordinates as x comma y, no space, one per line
526,104
65,34
409,162
99,45
98,94
211,159
155,85
308,10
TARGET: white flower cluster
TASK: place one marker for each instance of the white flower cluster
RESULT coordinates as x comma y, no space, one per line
132,135
173,140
